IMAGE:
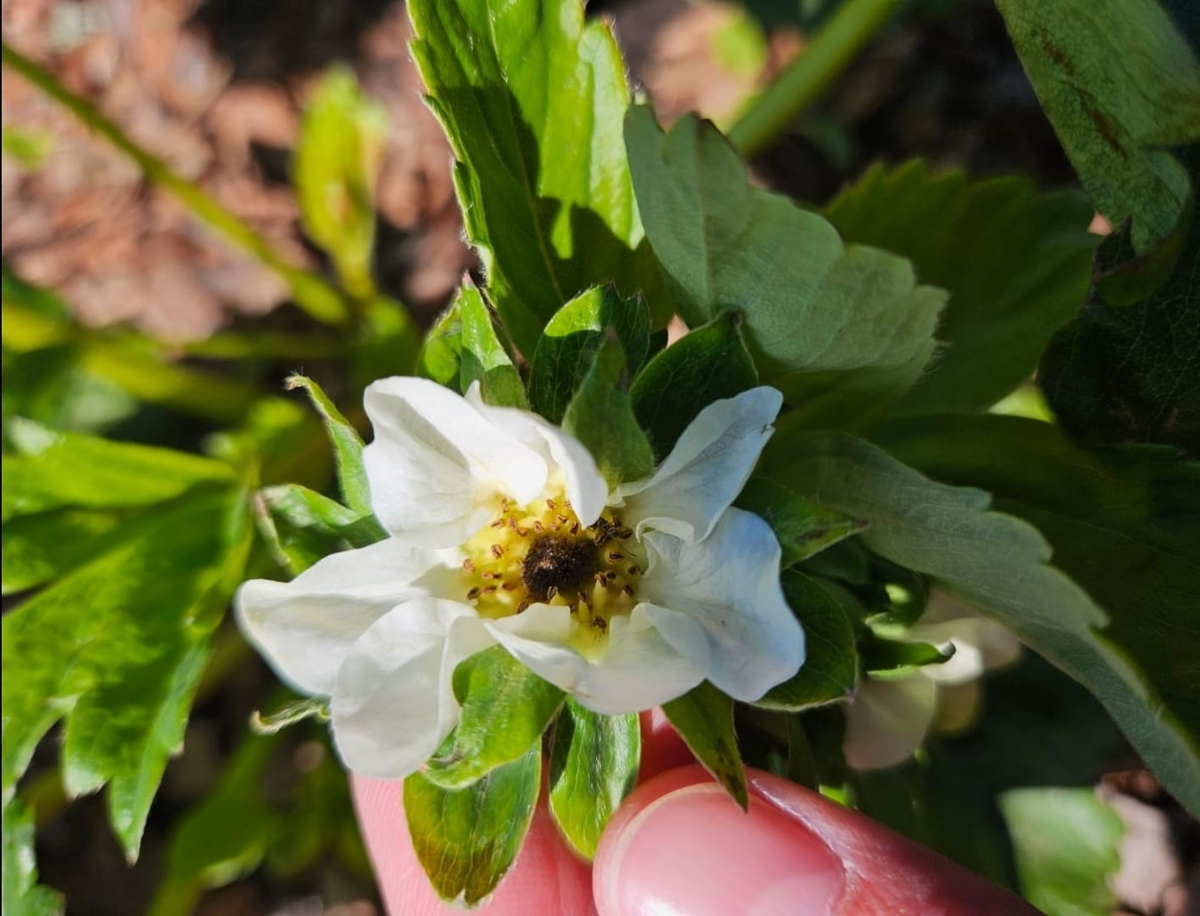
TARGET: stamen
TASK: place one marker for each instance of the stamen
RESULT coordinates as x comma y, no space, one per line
498,523
468,565
634,569
497,551
628,590
615,556
551,505
474,593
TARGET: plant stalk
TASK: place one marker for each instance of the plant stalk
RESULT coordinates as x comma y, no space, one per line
826,56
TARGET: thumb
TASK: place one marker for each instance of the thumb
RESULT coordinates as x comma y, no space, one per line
679,845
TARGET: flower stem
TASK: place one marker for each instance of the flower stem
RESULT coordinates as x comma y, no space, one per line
311,293
832,48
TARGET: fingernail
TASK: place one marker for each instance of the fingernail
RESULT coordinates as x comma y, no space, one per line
695,852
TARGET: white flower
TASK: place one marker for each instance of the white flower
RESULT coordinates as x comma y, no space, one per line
888,717
503,531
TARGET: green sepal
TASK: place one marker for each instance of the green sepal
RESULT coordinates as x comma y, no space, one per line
484,358
347,446
601,417
704,719
467,839
505,710
566,347
802,527
593,766
706,365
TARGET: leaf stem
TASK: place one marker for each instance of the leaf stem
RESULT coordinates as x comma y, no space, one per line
832,48
311,293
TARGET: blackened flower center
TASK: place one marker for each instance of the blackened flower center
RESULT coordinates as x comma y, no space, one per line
557,564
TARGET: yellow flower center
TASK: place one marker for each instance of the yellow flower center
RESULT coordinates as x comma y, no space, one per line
541,553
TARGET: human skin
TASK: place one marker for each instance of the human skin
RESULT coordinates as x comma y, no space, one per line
678,845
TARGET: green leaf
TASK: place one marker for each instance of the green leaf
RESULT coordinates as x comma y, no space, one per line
1123,524
888,655
1017,266
22,895
337,162
532,98
1121,373
40,548
54,470
565,350
483,358
118,647
830,668
441,353
706,365
301,508
347,446
505,710
1121,86
811,304
467,839
802,527
998,564
1066,844
704,719
593,766
601,417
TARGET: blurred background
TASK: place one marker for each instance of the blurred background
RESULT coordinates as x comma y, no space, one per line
249,825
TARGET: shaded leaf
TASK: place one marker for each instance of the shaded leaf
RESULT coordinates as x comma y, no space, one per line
1122,523
1066,846
1121,373
467,839
830,667
601,417
532,99
706,365
802,527
593,766
704,719
505,710
566,349
1120,86
811,304
998,564
1017,266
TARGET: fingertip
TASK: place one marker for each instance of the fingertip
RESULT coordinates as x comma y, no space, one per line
679,844
546,878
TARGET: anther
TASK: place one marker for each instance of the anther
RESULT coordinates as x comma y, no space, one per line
615,556
628,589
562,519
551,592
523,606
611,576
499,523
468,565
538,527
574,529
473,593
600,623
493,575
497,551
551,505
490,590
509,586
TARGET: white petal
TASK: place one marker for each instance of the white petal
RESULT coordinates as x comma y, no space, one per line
979,645
728,584
435,457
585,486
305,627
637,670
887,720
393,704
707,468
